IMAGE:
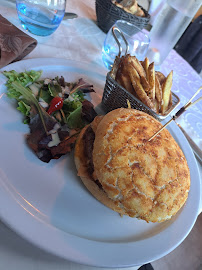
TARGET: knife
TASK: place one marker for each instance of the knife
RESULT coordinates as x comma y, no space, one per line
194,146
69,15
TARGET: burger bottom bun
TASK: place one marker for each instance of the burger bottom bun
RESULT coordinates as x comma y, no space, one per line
88,181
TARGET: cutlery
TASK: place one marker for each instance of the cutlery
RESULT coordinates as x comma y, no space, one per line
69,15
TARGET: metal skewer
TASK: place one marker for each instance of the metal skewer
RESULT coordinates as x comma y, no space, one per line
183,109
117,41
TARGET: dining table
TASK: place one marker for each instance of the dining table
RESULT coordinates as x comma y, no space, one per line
80,40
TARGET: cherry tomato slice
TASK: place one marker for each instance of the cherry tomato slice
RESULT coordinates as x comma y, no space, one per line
55,105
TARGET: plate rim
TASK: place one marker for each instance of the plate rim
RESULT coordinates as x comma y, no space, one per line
57,234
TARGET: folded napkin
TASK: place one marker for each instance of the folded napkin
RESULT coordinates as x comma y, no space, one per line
14,44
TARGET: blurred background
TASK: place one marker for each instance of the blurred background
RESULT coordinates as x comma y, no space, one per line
190,44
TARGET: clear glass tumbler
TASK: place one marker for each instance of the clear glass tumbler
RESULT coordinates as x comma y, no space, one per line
137,39
40,17
168,27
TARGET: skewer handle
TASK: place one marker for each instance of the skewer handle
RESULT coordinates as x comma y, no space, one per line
114,28
181,111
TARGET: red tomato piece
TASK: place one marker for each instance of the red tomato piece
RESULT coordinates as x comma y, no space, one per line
55,105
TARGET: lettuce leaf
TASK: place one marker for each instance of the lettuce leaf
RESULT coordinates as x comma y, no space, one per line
74,120
30,99
23,78
45,95
23,108
70,106
54,89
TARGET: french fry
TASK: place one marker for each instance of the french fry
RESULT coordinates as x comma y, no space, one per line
145,65
141,94
171,100
126,83
160,77
128,6
123,78
119,81
145,84
166,89
151,79
158,92
132,70
140,12
140,79
137,65
115,67
119,71
157,105
139,70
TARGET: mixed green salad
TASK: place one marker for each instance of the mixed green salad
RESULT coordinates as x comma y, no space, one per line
54,109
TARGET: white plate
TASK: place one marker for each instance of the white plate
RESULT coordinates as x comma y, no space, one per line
48,205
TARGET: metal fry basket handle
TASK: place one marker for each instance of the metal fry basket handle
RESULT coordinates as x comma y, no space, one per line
114,28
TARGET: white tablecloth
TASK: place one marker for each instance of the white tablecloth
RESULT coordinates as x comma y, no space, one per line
81,40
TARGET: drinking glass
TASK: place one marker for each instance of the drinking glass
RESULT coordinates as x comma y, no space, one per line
168,27
40,17
137,39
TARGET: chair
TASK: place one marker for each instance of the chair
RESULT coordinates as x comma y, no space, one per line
189,45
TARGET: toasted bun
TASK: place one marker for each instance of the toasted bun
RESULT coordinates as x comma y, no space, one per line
88,181
147,180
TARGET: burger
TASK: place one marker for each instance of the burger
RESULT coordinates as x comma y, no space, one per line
133,176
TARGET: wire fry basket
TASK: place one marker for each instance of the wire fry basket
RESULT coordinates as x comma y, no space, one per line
115,96
108,13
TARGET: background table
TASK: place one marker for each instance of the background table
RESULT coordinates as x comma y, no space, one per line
81,40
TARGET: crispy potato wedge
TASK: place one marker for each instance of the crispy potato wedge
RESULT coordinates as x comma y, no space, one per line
122,76
171,100
158,90
115,67
128,6
151,79
118,81
132,70
166,89
137,65
139,12
126,83
145,65
140,71
145,84
160,77
157,105
140,79
141,94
